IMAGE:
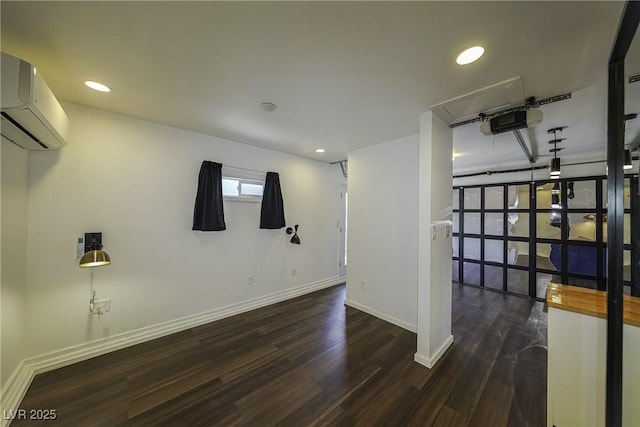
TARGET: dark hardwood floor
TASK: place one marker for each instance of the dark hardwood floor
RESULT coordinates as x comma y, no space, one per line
313,361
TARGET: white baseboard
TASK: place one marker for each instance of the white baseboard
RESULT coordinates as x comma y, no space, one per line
13,391
372,311
430,362
17,385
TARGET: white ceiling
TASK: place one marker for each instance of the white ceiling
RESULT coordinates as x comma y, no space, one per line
344,74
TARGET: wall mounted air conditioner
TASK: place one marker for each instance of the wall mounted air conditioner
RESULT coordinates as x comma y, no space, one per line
31,115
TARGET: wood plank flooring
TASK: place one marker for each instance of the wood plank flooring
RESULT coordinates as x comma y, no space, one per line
313,361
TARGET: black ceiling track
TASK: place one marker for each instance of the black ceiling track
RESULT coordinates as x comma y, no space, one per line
531,103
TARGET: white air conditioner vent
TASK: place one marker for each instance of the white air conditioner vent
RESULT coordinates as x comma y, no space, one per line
31,115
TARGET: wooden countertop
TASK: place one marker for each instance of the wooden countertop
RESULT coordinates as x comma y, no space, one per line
590,302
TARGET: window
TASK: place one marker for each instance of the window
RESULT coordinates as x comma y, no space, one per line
510,237
242,185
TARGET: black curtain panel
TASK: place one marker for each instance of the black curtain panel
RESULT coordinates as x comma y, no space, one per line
208,213
272,212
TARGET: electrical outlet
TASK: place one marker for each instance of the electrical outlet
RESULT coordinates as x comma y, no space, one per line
362,283
102,306
294,271
447,230
250,279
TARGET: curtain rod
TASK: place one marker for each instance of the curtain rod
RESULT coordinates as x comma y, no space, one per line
244,169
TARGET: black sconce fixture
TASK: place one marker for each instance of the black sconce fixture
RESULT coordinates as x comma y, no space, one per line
294,239
570,193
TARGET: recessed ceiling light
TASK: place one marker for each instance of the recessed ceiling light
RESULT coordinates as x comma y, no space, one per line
97,86
320,150
470,55
269,106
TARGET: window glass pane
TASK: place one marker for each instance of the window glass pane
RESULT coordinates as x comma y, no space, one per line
455,201
472,223
456,249
584,194
493,224
627,229
518,281
519,197
582,226
455,272
582,259
543,196
542,280
627,193
549,257
492,277
248,189
583,283
548,225
472,198
471,273
493,250
494,197
230,187
472,248
518,224
626,266
455,218
517,253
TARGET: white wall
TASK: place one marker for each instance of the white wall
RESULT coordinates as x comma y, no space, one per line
434,254
382,237
135,182
13,255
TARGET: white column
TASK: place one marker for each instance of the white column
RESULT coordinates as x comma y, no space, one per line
434,250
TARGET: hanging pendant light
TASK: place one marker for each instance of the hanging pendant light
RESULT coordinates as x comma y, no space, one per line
555,162
628,162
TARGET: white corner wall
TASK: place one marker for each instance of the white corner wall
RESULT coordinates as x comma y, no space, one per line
434,242
13,255
135,182
382,236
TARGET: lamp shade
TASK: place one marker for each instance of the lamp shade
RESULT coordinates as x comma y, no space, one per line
555,166
628,163
95,258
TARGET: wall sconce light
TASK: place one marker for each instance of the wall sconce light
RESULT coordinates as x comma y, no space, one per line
95,257
628,162
294,239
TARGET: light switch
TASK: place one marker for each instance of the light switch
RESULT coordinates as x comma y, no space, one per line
80,247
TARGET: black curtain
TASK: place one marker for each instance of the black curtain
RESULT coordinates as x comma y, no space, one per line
272,212
208,213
